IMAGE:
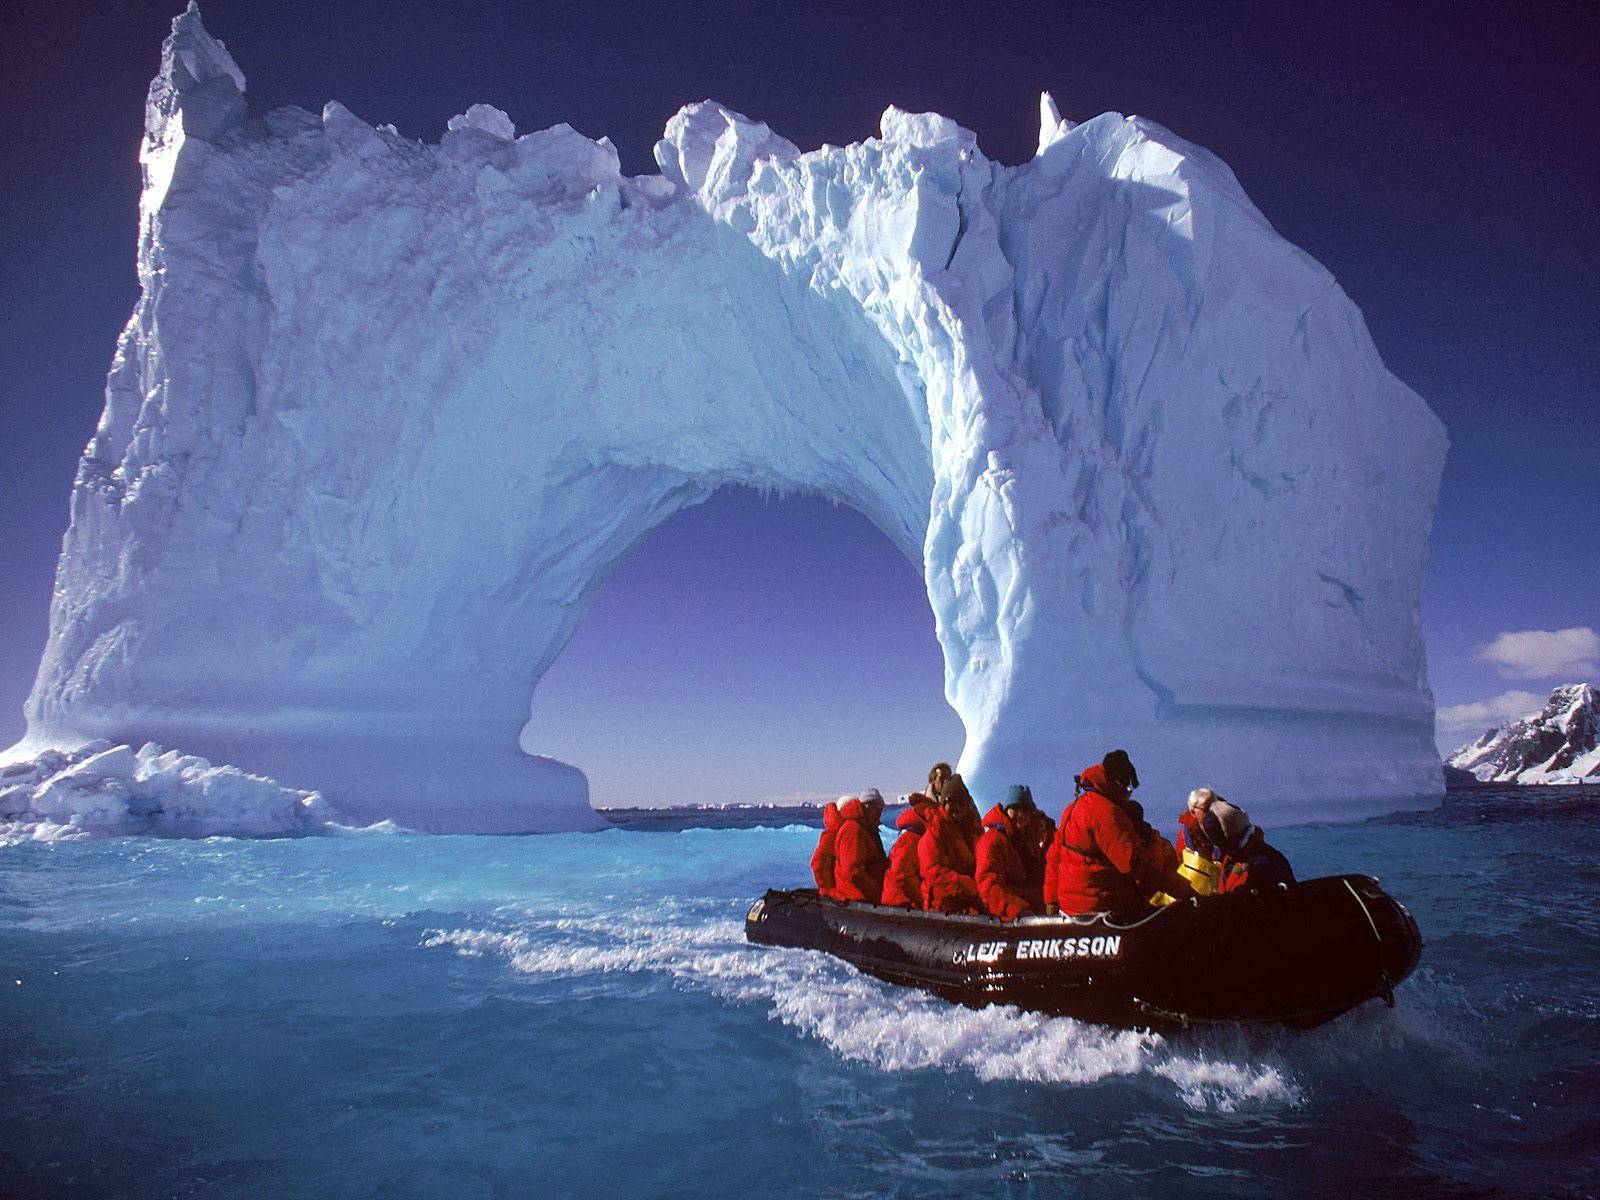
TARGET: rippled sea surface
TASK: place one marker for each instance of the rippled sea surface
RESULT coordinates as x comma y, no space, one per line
579,1015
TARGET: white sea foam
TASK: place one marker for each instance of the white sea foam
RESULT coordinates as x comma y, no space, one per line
867,1021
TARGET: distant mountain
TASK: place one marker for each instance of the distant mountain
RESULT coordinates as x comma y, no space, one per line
1560,744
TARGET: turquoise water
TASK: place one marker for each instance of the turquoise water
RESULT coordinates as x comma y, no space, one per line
399,1016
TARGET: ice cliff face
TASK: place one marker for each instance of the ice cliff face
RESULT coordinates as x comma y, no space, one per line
1560,744
387,414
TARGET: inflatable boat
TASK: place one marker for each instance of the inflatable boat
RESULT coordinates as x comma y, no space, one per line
1295,956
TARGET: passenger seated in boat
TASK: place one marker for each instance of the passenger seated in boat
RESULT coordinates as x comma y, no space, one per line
902,883
945,855
1248,862
938,775
1198,855
1191,822
1039,832
1003,854
859,861
822,858
963,803
1107,858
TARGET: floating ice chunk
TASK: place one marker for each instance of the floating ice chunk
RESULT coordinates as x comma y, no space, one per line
100,790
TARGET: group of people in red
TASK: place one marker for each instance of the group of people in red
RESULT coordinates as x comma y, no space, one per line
1102,857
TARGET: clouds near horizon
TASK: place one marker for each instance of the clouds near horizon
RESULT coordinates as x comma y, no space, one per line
1572,655
1493,713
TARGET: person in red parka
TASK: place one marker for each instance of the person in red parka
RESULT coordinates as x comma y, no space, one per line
859,861
1107,859
902,883
1003,854
822,858
945,856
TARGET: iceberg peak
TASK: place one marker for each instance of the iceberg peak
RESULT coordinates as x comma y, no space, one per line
485,118
199,83
1052,128
198,93
713,150
925,131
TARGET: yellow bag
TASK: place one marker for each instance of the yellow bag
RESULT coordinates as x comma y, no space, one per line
1203,876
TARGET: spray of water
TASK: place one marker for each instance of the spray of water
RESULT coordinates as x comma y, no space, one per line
867,1021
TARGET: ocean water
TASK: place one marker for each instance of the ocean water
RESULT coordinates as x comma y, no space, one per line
388,1015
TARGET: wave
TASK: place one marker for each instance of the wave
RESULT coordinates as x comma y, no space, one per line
865,1020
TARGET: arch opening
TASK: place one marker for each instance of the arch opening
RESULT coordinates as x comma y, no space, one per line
751,649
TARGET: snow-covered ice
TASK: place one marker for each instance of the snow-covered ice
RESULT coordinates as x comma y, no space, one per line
388,413
99,790
1558,744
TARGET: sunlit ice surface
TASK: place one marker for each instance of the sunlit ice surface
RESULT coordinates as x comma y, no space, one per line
579,1015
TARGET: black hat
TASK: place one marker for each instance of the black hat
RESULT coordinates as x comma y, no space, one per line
1120,769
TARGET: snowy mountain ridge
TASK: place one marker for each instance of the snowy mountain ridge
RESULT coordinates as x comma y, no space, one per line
1558,744
387,413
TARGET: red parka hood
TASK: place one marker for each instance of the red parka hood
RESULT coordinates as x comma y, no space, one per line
1094,779
996,818
830,814
854,810
913,818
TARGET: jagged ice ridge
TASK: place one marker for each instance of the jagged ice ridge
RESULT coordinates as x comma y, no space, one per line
387,414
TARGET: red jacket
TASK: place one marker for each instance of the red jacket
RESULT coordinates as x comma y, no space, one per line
822,858
1002,870
859,858
902,884
946,862
1192,834
1103,861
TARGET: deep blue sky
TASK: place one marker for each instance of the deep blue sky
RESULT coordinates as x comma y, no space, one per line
1440,161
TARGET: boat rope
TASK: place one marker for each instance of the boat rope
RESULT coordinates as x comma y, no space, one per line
1377,939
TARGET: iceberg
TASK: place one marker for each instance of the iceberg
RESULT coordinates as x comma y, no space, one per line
387,414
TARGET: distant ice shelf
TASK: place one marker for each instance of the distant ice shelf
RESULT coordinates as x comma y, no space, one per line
387,413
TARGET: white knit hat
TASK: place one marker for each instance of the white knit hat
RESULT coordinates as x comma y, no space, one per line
1232,822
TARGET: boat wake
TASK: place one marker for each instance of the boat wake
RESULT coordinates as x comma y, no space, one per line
897,1029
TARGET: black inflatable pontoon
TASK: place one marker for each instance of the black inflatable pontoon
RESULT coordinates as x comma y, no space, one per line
1294,956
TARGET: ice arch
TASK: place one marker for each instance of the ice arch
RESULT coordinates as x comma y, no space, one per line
386,413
